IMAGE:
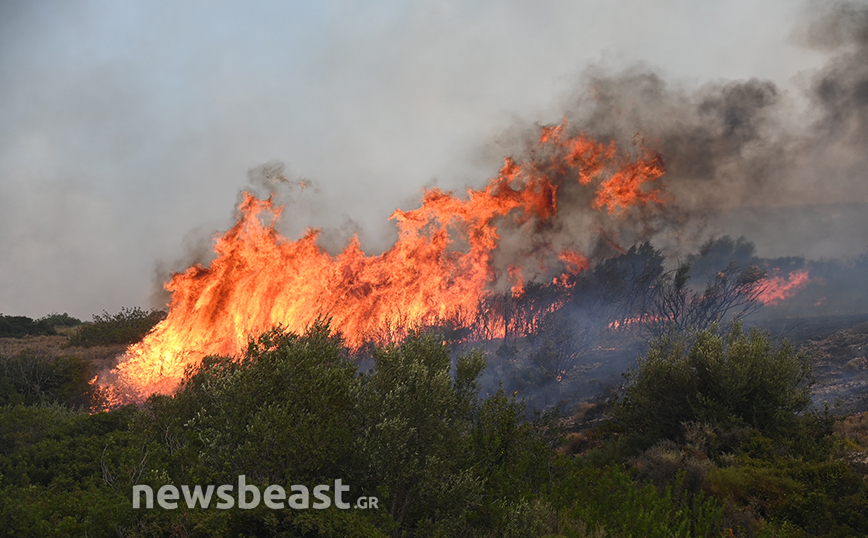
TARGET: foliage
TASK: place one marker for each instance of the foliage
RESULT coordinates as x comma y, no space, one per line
61,320
415,422
294,410
126,327
21,326
742,458
33,376
610,499
722,380
52,465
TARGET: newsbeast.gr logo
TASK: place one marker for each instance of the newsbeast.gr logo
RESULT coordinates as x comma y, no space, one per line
248,497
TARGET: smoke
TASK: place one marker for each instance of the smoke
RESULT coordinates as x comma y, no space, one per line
735,152
786,169
840,90
743,157
733,147
126,127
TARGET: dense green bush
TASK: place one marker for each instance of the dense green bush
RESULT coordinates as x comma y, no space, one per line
61,320
294,410
734,408
726,381
56,471
126,327
21,326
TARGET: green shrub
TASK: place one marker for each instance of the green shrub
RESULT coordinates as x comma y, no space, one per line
21,326
32,377
762,489
609,499
833,500
126,327
724,381
295,410
61,320
60,471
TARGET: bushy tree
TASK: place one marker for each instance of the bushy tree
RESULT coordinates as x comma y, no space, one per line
61,320
21,326
416,418
282,412
294,410
729,379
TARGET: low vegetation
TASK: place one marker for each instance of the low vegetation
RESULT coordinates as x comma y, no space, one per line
126,327
712,437
714,382
33,377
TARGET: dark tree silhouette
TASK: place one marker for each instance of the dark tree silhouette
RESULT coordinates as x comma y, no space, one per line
732,293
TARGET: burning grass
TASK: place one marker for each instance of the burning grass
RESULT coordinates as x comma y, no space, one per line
441,270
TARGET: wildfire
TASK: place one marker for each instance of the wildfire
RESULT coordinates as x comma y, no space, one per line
575,262
779,288
440,269
635,320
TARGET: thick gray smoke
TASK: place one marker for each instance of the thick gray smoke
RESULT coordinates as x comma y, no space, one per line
743,158
126,126
753,172
740,152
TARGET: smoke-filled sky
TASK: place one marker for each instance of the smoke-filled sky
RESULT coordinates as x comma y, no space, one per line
127,129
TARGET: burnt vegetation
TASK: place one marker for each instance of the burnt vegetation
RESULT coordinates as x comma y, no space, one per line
597,321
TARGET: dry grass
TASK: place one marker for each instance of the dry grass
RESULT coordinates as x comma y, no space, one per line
53,346
854,428
574,443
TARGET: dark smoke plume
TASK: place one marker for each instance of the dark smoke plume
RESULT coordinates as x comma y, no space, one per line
745,144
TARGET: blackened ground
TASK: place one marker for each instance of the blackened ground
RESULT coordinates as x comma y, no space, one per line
838,347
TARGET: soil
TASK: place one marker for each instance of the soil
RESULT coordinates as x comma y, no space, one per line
838,347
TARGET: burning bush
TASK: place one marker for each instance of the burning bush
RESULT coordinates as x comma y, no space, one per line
675,306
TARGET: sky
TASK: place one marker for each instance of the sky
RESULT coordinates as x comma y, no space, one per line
127,129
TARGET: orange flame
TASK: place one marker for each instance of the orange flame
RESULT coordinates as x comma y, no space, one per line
575,261
779,288
439,269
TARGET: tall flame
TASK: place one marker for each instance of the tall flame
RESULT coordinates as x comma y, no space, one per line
440,268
